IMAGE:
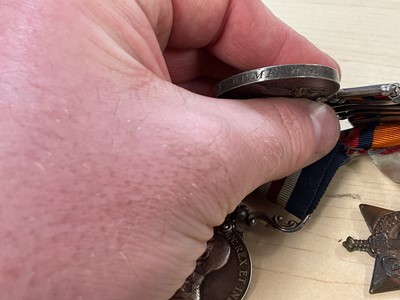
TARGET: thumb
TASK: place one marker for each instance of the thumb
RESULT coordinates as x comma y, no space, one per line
277,136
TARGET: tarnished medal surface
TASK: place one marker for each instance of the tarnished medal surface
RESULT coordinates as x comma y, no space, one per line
383,244
294,81
388,164
223,272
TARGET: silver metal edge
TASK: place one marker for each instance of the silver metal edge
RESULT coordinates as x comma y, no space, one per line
335,76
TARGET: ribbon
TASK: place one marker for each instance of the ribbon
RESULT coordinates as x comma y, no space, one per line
301,192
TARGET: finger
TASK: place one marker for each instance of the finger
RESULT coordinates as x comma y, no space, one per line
256,141
244,34
280,135
230,147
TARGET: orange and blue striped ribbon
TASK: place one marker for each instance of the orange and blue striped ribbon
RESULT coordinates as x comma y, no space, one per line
373,136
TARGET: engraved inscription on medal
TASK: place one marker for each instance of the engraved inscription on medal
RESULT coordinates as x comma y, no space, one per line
262,74
244,265
310,81
222,272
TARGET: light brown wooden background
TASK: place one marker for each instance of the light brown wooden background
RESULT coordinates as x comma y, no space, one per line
364,37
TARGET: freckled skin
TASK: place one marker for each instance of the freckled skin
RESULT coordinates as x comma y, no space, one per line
114,163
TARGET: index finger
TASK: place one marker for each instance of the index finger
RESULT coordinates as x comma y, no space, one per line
243,34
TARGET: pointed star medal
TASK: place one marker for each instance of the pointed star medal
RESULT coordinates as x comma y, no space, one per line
383,244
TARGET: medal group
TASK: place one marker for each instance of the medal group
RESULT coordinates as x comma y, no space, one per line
372,117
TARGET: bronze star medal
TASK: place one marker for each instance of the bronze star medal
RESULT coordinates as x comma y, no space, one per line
383,244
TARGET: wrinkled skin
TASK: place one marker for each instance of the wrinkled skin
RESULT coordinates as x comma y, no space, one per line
115,162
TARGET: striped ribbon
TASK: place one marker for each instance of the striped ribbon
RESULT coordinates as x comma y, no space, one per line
301,192
372,136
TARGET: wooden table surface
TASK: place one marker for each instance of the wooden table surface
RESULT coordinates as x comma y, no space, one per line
364,37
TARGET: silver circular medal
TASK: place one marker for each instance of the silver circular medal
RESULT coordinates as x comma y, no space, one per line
294,81
222,272
388,164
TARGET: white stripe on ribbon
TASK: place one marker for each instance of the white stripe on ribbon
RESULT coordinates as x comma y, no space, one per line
287,189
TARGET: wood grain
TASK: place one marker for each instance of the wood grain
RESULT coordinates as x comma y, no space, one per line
364,37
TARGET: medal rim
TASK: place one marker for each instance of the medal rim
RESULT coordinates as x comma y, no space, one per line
224,231
304,71
232,230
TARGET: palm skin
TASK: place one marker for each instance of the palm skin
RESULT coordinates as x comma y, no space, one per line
116,163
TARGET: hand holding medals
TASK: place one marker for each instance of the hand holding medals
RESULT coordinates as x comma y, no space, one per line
116,162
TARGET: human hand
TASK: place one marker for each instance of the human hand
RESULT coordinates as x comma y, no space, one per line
112,177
